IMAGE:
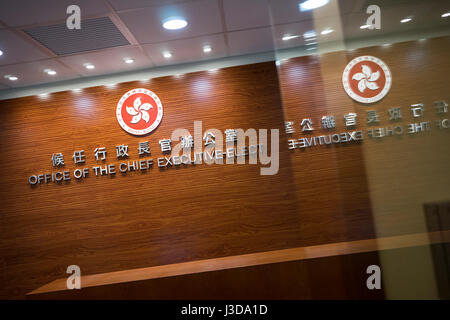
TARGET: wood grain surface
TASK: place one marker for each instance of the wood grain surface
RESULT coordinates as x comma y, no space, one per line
105,224
380,185
58,288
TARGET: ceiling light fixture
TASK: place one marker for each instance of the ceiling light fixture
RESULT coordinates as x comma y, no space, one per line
128,60
50,72
1,52
175,23
365,26
310,43
309,34
287,37
12,78
326,31
405,20
445,15
89,66
313,48
311,4
207,49
167,55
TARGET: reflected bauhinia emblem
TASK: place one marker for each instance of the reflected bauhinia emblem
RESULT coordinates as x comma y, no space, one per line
367,79
139,111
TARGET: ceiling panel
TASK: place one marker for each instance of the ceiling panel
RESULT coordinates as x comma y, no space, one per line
16,49
425,16
335,9
26,12
107,61
146,24
3,87
246,14
132,4
251,41
349,6
32,73
187,50
287,11
253,26
96,33
294,29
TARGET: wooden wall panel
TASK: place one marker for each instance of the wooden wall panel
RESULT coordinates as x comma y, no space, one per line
330,180
305,279
379,185
103,224
160,217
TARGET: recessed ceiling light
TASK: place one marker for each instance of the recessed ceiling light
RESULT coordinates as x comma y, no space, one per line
10,77
1,52
365,26
405,20
167,54
445,15
310,43
207,49
313,48
309,34
175,23
311,4
287,37
128,60
89,66
326,31
50,72
386,44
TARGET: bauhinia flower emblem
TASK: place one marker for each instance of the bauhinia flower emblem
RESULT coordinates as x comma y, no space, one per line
139,111
366,79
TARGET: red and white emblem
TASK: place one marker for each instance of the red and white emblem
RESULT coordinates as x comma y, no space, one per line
139,111
367,79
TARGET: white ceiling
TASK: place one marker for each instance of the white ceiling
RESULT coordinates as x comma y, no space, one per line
230,27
